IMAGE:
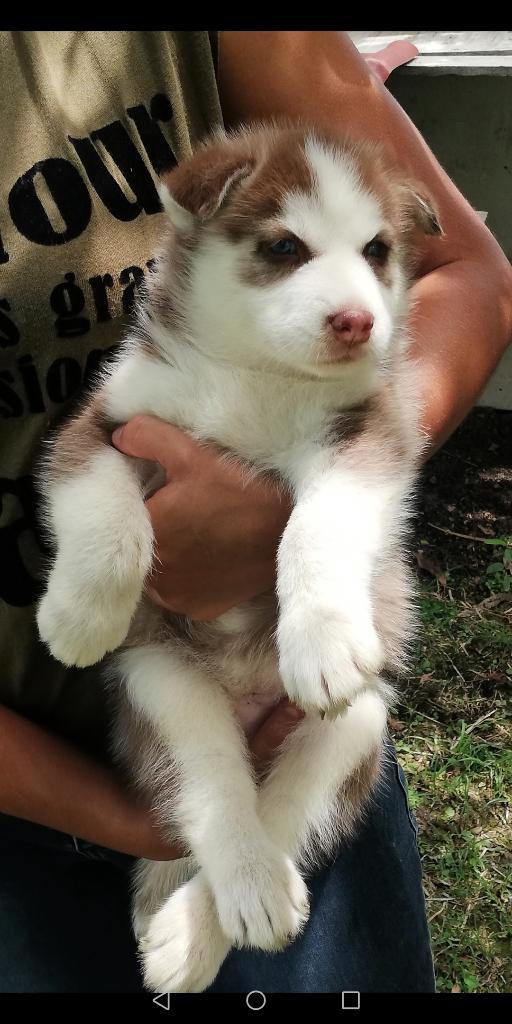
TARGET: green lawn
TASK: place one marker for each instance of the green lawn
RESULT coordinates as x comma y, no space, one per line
453,733
454,728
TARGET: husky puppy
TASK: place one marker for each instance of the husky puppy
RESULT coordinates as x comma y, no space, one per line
273,327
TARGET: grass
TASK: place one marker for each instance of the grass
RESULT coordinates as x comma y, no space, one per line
454,739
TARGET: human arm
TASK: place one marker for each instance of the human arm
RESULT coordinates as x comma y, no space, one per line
46,780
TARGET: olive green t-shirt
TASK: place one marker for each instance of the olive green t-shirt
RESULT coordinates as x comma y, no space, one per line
88,122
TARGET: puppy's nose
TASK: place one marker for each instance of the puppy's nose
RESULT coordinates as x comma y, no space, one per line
352,326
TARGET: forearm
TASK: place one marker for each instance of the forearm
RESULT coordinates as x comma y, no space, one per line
458,340
45,780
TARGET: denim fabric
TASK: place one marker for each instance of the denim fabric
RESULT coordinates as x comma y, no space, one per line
65,921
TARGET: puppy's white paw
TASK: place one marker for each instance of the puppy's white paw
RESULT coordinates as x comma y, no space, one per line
93,592
262,900
80,627
327,656
184,946
153,883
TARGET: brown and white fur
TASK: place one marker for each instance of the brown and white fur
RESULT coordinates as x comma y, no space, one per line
233,343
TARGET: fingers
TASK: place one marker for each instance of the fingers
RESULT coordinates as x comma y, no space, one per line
146,437
383,62
274,730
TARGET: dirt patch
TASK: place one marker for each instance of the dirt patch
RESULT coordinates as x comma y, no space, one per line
467,489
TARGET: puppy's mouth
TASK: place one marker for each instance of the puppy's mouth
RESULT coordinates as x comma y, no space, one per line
336,352
345,355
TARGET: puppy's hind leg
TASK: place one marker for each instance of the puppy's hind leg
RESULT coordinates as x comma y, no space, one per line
258,895
324,767
153,882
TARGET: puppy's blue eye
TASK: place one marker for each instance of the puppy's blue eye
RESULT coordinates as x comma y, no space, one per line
284,247
376,250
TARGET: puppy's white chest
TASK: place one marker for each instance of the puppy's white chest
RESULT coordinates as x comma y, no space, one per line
265,419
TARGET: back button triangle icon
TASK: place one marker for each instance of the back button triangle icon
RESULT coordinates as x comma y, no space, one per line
163,1000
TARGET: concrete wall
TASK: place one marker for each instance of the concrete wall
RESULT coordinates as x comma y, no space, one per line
467,122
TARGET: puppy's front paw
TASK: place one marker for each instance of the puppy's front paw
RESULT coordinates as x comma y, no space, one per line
184,946
327,656
81,626
262,901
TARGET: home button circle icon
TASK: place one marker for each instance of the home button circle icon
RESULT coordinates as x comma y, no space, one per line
256,1000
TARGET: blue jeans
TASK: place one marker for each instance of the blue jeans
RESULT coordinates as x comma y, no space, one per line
65,922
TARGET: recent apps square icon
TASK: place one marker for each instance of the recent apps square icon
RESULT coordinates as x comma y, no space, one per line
350,1000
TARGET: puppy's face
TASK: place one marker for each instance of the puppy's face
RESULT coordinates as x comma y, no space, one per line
297,251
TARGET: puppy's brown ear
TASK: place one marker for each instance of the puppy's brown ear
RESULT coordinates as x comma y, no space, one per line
197,188
418,210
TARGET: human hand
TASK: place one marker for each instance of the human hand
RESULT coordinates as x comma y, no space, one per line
383,62
216,528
